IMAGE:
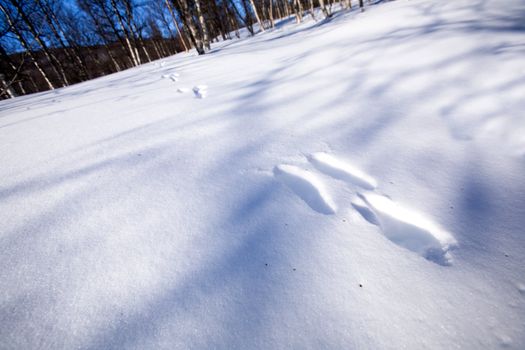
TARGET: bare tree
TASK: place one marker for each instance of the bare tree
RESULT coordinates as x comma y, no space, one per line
183,41
100,22
70,50
188,18
132,49
327,10
65,44
204,27
257,15
26,46
298,10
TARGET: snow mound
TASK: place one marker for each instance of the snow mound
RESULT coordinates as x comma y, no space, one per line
307,186
334,167
407,228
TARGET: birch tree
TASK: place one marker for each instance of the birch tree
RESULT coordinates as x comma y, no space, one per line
26,46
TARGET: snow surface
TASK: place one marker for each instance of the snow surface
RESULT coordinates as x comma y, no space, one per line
341,170
134,216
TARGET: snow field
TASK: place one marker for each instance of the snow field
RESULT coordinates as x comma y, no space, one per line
355,183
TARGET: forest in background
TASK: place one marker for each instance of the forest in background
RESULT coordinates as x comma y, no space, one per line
48,44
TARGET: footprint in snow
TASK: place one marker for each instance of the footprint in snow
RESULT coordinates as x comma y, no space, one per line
200,91
338,169
183,90
406,228
402,226
307,186
172,76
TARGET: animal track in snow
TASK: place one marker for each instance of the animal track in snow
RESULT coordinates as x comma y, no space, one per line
364,210
402,226
200,91
307,186
172,76
406,228
183,90
338,169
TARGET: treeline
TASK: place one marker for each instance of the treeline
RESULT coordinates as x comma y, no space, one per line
46,44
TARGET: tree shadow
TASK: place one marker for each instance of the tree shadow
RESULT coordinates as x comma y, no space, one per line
242,283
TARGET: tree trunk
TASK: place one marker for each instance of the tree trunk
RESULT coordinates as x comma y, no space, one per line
145,49
26,47
326,10
115,31
181,37
222,21
257,15
55,64
298,11
278,10
232,18
204,27
248,21
71,55
76,51
21,87
183,8
132,50
158,49
287,9
7,89
135,34
100,31
312,13
173,36
270,12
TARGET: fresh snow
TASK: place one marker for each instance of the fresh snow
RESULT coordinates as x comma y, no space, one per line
352,183
307,186
407,228
339,169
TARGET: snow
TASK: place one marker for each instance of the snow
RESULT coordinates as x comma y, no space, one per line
200,91
407,228
307,186
332,166
356,183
